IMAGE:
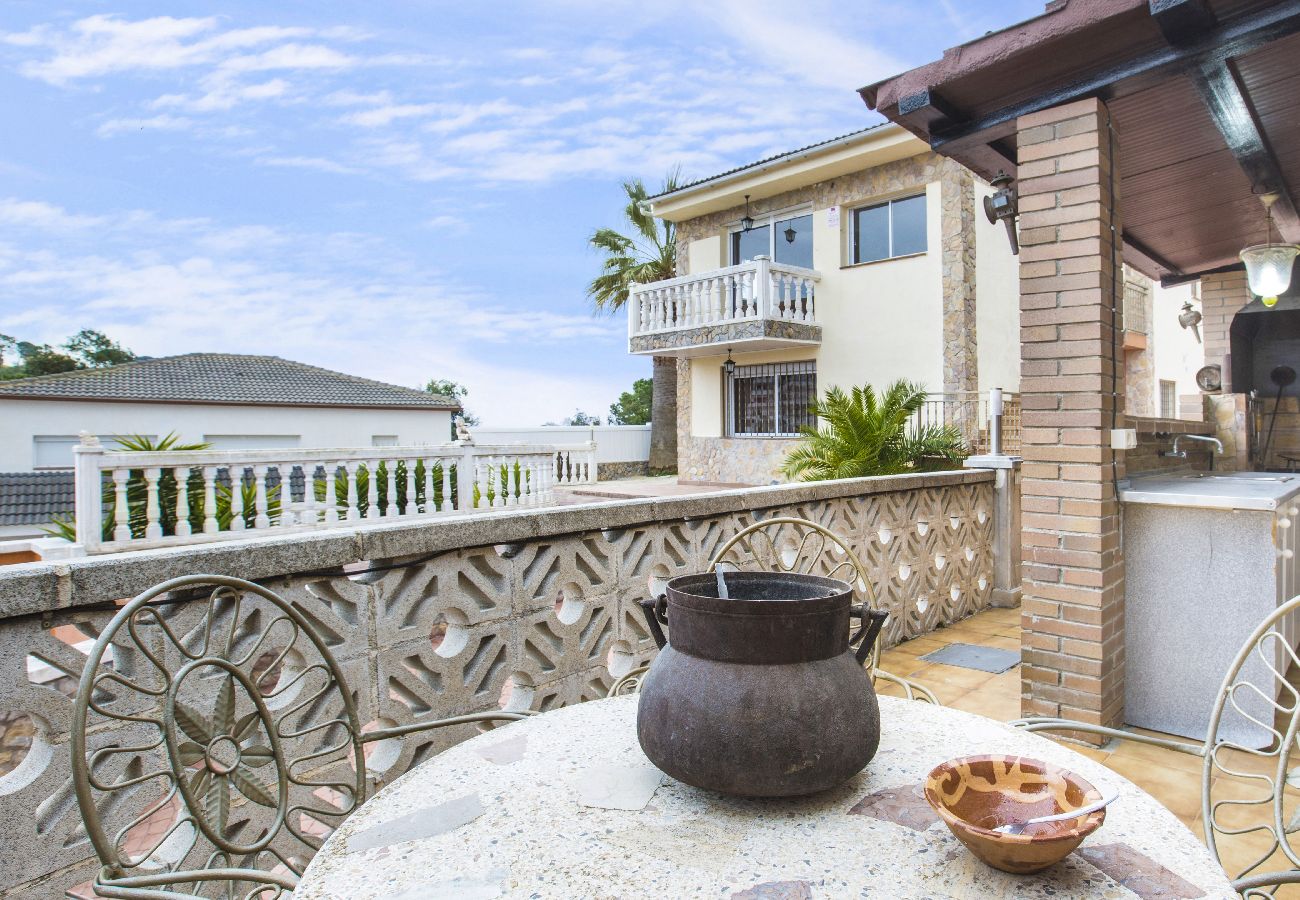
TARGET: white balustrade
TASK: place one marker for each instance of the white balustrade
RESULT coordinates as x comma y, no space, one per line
129,500
759,289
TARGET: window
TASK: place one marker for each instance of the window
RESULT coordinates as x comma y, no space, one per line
54,451
896,228
1168,400
781,237
771,400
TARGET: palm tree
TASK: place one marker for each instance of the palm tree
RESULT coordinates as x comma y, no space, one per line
864,433
649,254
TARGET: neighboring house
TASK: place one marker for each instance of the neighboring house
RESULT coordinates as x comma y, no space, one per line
230,401
880,265
30,501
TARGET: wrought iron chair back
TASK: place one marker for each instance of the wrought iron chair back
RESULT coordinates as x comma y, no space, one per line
222,740
1249,812
790,544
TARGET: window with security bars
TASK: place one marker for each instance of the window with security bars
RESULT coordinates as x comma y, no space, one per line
771,400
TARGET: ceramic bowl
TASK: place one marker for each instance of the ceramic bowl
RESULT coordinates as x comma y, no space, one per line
975,794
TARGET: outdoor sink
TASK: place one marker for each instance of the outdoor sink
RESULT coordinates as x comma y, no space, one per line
1240,476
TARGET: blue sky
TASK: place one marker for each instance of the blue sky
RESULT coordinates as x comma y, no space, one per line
395,189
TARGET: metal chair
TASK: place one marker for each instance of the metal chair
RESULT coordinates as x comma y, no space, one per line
1258,801
225,736
789,544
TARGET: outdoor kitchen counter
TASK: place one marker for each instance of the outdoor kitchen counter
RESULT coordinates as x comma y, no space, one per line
565,805
1207,557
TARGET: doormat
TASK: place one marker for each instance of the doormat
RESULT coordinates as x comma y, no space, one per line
973,656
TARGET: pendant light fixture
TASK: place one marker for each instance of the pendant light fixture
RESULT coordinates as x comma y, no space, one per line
1268,265
790,234
729,367
747,223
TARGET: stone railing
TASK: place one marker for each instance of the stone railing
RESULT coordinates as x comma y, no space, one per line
522,608
755,290
140,500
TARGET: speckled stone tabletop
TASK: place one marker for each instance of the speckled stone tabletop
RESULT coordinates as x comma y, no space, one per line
565,805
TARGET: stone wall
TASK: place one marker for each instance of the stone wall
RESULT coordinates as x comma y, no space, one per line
612,470
521,609
736,460
960,344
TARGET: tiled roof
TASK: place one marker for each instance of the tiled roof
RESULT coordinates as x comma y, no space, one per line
222,378
769,159
34,498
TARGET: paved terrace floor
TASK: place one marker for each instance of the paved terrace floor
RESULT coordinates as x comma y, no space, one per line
633,488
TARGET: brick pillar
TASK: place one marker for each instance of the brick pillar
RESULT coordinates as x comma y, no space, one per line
1072,394
1222,297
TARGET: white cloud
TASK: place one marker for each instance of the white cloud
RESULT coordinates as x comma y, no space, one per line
178,285
151,123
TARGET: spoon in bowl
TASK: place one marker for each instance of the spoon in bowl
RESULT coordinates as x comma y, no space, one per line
1018,827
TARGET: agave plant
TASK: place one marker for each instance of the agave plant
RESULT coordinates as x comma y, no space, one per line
137,496
864,433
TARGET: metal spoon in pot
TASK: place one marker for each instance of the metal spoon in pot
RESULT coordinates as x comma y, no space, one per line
722,583
1018,827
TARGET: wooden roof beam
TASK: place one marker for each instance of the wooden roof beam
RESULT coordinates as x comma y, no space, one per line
1186,24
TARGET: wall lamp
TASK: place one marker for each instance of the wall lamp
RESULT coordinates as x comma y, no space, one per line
1002,205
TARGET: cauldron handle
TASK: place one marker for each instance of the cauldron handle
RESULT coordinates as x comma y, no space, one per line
656,612
872,622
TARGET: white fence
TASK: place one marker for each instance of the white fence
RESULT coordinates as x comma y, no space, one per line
614,443
129,500
758,289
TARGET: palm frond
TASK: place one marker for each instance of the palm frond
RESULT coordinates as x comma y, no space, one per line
863,433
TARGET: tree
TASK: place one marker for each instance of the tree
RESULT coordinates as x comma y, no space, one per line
581,418
863,433
96,350
456,391
648,254
633,407
87,349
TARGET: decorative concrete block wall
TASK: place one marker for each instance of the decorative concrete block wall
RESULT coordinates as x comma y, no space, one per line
521,609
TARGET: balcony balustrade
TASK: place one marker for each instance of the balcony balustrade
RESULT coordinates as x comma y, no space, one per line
760,304
130,500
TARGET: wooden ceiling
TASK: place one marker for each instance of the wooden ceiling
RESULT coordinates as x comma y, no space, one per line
1205,96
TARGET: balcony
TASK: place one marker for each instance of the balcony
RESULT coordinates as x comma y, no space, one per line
757,305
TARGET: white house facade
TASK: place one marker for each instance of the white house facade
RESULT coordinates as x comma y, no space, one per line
863,259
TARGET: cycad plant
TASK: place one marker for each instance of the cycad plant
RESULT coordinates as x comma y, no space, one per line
864,433
137,496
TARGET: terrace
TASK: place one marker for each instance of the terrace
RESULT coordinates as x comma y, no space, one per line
1125,596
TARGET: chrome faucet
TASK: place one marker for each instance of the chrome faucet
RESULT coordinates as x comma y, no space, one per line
1182,454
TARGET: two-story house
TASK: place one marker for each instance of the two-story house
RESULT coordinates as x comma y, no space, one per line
865,258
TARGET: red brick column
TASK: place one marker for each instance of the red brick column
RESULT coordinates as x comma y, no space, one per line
1072,396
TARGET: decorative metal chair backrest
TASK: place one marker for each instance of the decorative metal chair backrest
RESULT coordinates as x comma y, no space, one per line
1253,807
222,735
790,544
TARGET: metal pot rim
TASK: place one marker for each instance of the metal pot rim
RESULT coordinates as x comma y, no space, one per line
679,594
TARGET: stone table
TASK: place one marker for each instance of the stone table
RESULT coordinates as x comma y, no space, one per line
566,805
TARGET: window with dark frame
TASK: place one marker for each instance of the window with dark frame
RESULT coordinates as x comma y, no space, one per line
772,400
889,230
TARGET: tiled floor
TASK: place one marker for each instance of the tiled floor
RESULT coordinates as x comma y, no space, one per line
1171,777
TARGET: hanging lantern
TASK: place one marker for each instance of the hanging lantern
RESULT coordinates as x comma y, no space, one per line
747,223
729,367
1268,265
790,234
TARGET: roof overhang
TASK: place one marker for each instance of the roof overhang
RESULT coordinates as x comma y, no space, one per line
852,153
1204,94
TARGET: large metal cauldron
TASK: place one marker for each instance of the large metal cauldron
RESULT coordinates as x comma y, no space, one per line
759,695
